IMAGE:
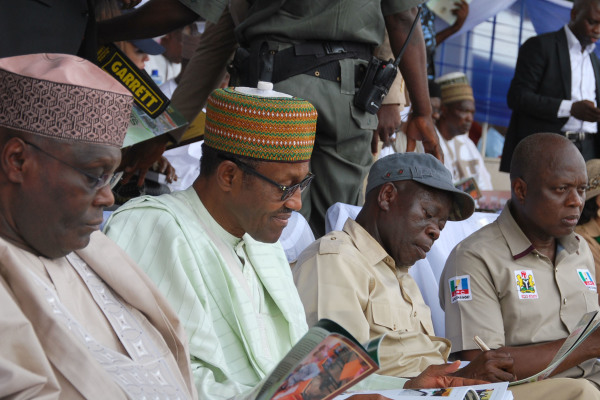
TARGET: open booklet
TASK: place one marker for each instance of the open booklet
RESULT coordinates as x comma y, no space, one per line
142,127
325,362
490,391
584,328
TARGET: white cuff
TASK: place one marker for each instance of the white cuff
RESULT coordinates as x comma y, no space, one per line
565,108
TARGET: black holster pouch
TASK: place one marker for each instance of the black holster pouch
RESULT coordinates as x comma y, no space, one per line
251,65
262,60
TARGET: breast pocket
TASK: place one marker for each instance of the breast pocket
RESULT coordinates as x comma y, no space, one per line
389,318
591,300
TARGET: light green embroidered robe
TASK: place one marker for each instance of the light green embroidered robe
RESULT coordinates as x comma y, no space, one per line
172,239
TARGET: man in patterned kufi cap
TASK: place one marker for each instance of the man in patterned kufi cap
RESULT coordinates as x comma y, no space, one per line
457,114
79,319
213,248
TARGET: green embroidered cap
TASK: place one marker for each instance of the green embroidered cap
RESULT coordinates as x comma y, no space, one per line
260,123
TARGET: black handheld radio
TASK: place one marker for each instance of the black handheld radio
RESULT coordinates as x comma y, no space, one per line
379,78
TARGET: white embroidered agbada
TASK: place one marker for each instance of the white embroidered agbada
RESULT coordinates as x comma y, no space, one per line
63,338
463,160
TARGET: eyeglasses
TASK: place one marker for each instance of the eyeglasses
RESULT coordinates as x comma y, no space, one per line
97,182
288,191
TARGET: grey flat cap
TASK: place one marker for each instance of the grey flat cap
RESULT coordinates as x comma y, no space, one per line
425,169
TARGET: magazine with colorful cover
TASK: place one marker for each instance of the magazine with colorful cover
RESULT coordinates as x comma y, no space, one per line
324,363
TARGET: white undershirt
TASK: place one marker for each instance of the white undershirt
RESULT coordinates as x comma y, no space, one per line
583,84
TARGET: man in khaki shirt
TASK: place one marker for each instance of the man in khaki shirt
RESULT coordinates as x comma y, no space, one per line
359,277
409,199
523,282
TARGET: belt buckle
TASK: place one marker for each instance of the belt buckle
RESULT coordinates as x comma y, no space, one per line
575,136
333,48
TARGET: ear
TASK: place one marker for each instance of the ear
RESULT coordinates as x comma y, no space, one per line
386,196
519,189
598,201
227,175
13,159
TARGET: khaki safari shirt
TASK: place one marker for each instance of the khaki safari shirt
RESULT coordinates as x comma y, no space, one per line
497,286
349,278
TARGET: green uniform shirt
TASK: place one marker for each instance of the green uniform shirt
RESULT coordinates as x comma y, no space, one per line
342,20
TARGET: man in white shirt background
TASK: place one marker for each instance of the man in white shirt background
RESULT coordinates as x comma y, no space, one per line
556,85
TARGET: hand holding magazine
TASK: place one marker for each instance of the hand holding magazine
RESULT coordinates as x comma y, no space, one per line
584,328
325,362
328,361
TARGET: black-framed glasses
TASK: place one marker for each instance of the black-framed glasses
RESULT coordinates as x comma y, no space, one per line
288,191
97,182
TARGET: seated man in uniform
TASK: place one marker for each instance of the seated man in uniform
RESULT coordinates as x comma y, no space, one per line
213,250
527,278
359,277
79,319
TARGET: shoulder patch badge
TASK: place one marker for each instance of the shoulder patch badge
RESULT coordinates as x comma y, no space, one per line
526,284
460,288
586,278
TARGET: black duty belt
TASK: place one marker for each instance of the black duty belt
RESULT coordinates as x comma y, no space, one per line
313,58
317,59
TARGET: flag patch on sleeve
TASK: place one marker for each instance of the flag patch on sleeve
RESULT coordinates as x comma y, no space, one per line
460,288
526,284
586,278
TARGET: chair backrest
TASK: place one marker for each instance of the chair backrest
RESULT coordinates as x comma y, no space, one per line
296,236
425,272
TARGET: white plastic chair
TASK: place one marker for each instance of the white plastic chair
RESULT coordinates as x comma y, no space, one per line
296,236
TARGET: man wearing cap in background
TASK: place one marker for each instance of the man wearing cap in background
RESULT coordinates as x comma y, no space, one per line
461,155
79,318
212,248
523,282
359,277
139,51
